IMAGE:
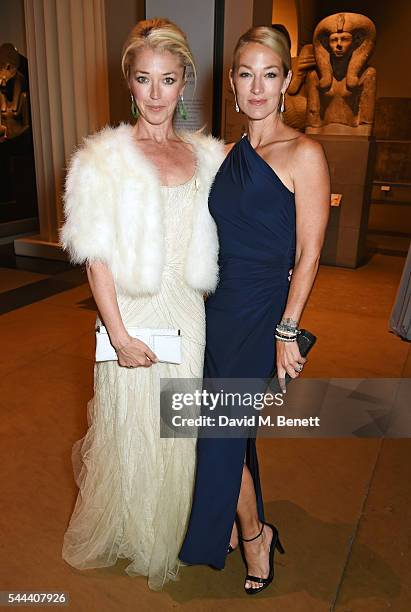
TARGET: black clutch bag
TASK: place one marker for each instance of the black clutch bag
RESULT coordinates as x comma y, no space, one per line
305,341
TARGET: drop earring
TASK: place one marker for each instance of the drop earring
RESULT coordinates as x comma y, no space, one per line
237,108
182,109
282,109
134,109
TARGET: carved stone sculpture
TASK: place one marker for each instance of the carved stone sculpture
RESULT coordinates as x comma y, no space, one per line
14,108
296,95
341,91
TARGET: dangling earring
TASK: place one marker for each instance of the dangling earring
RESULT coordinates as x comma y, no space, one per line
237,108
134,109
282,109
182,109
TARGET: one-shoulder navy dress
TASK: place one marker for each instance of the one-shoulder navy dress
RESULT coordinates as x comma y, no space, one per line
255,217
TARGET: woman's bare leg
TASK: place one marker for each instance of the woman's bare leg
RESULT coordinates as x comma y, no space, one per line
234,536
257,551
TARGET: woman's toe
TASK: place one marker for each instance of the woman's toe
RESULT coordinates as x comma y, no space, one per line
252,585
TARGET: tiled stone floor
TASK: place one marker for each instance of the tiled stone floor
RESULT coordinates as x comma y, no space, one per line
343,506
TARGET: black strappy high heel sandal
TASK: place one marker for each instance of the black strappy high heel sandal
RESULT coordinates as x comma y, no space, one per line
275,544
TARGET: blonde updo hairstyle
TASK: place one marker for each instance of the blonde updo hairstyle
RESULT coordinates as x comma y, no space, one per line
158,34
269,37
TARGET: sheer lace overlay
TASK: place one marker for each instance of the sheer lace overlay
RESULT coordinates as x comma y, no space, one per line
135,489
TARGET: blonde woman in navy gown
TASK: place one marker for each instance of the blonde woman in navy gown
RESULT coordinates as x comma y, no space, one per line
270,201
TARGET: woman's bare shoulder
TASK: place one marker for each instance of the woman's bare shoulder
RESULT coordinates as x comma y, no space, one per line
307,147
309,160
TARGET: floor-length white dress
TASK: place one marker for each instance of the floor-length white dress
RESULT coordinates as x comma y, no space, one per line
135,488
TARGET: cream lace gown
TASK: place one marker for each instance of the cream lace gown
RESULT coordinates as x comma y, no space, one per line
135,488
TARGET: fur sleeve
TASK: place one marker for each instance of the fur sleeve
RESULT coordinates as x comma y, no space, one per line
201,269
88,230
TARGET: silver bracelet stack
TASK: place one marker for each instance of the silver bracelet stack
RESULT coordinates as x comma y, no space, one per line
286,330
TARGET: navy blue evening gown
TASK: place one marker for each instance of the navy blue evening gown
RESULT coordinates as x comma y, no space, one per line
255,216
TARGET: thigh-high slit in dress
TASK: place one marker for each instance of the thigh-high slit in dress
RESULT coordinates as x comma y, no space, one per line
255,216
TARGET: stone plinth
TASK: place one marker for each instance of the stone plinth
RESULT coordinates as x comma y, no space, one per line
350,159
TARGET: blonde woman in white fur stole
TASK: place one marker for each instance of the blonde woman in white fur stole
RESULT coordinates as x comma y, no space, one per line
137,216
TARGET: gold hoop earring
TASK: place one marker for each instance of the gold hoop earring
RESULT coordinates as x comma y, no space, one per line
282,108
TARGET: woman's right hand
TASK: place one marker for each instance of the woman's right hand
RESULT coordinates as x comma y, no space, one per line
134,353
289,361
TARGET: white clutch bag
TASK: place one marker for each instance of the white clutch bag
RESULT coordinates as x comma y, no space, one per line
165,343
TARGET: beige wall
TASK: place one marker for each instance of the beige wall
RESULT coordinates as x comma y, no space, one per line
12,27
238,18
121,16
392,56
285,12
307,20
262,10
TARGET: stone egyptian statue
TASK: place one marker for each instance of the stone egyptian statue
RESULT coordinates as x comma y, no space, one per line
296,94
341,90
14,106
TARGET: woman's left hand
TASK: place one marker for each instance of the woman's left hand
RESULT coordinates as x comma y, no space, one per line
289,361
